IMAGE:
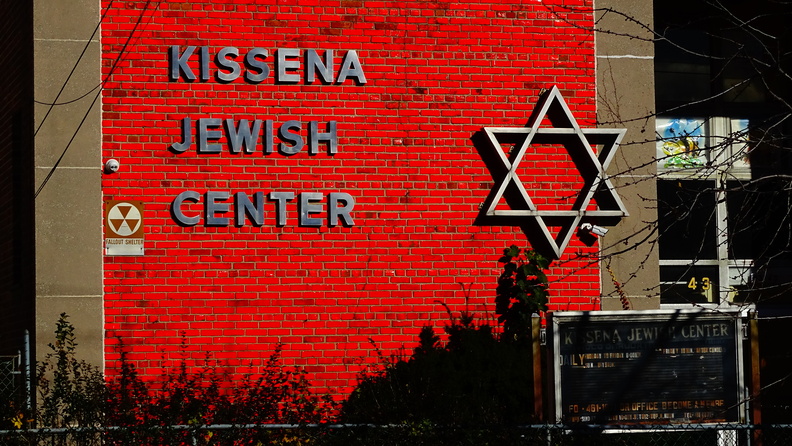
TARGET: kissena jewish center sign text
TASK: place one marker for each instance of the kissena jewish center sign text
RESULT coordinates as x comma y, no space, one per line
207,135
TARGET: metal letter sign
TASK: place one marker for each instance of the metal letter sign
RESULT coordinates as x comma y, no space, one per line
124,234
578,144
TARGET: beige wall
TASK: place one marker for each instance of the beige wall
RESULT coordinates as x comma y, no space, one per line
68,208
625,99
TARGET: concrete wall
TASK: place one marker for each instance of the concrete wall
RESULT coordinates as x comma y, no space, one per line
625,99
68,207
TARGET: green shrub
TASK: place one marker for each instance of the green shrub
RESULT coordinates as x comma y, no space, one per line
71,392
521,292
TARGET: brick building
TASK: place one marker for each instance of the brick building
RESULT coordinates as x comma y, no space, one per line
317,174
352,216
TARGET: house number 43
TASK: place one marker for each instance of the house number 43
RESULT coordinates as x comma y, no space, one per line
705,283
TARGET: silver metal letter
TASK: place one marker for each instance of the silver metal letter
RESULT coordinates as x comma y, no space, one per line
307,208
205,135
351,67
269,138
282,64
178,63
291,137
222,60
213,206
204,63
280,199
314,63
334,211
243,206
186,137
242,134
176,210
314,137
257,70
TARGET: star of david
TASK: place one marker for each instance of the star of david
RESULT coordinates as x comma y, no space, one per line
578,143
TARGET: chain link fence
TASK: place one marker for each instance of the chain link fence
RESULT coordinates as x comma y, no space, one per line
10,382
411,434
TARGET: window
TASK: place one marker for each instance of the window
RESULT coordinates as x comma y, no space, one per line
704,249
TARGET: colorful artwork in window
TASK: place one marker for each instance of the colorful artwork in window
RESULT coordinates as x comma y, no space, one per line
679,143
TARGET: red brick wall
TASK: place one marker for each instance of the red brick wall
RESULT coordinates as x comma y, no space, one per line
436,72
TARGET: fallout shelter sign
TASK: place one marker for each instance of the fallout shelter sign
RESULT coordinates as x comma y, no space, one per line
124,234
592,201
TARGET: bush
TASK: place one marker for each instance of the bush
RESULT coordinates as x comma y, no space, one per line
129,410
521,292
70,392
475,379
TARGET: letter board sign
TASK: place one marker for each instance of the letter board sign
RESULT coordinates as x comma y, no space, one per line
648,367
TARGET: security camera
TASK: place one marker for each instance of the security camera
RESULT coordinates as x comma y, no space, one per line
112,166
593,229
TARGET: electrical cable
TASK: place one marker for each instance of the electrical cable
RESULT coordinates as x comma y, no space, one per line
115,65
71,73
70,101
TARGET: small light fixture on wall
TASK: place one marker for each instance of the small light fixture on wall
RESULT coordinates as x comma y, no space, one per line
594,229
111,166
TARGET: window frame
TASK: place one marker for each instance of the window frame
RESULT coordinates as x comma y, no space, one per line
723,157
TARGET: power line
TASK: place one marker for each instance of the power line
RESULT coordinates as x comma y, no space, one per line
115,65
74,68
70,101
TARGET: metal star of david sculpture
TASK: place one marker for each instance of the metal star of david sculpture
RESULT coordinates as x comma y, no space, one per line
597,188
